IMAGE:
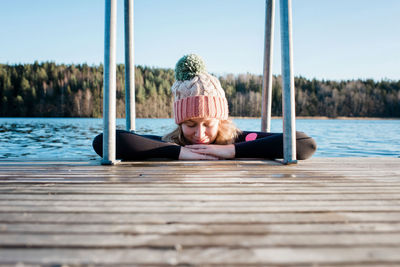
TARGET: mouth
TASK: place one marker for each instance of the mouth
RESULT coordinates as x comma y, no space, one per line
200,141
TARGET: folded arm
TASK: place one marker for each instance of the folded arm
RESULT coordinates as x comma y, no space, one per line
131,146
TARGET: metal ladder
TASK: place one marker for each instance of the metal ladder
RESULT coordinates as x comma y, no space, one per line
109,86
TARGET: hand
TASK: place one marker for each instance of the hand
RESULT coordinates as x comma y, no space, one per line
188,154
219,151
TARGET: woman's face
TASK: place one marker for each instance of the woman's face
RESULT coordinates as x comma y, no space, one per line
201,130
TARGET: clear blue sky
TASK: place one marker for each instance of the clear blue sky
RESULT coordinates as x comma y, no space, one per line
333,39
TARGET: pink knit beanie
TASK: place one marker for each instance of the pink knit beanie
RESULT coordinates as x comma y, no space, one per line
197,93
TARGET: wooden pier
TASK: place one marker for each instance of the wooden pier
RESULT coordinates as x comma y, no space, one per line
324,211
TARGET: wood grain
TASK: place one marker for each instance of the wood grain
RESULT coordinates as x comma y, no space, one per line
323,211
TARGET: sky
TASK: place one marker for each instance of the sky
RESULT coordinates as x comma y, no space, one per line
332,39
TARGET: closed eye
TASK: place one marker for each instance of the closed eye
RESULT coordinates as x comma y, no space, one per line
190,125
211,124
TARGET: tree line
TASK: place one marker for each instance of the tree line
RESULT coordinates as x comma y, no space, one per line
57,90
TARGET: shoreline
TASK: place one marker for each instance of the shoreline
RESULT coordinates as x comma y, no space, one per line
323,118
232,117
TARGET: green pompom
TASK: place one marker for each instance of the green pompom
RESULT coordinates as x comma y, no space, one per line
189,66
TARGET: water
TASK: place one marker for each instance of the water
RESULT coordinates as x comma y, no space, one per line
71,138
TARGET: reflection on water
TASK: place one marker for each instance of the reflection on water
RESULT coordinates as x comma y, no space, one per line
71,138
46,138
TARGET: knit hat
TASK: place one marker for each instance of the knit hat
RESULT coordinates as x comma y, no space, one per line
197,93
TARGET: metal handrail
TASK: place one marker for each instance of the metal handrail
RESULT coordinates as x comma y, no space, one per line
288,90
130,109
267,70
109,99
109,81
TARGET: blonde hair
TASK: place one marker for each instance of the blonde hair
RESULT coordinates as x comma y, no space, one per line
227,133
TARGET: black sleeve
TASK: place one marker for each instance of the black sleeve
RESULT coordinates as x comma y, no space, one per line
131,146
270,145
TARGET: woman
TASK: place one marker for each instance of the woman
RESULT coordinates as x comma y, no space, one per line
204,131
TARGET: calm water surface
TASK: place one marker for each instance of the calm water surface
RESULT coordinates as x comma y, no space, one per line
71,138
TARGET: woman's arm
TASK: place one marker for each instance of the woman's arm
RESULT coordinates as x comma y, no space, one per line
218,151
258,145
270,145
190,154
131,146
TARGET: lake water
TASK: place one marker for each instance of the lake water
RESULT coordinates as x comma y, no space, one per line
71,138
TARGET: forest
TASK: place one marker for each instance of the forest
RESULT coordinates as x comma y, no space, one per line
48,89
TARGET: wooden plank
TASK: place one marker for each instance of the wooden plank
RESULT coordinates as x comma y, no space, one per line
205,229
198,177
198,203
206,256
199,217
203,181
181,172
201,186
151,181
188,240
258,189
313,164
198,209
212,166
320,212
209,167
282,196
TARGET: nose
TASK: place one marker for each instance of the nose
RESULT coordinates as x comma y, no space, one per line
200,132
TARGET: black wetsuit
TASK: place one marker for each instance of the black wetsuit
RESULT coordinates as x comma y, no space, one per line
131,146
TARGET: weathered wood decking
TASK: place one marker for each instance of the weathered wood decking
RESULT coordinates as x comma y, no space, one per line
342,211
